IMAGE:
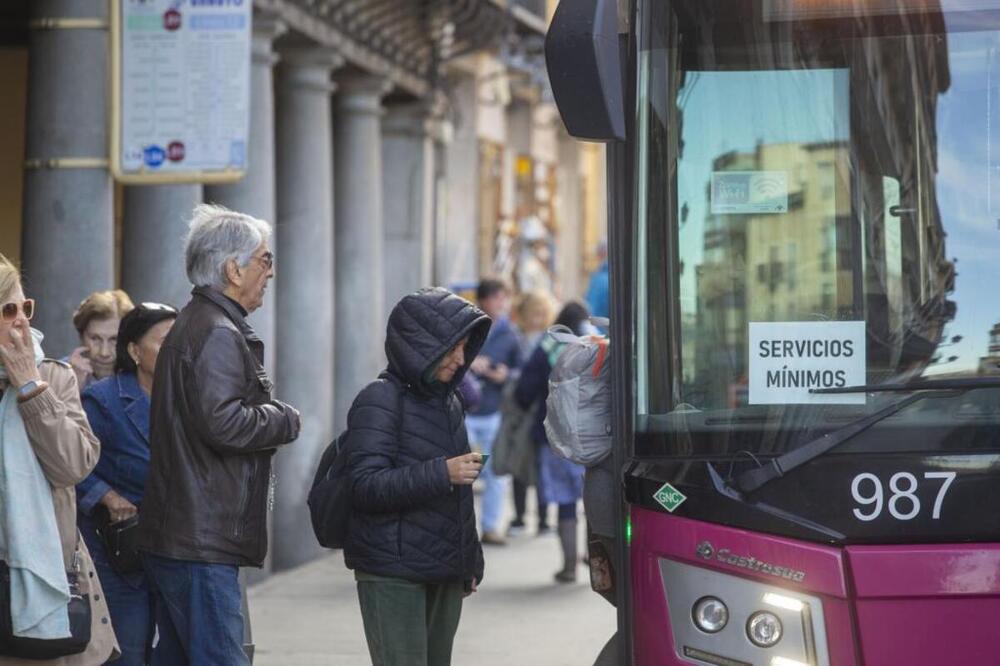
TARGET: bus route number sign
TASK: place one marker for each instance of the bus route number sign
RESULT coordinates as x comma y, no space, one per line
901,500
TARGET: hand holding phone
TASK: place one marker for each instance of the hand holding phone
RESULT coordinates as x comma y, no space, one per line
463,470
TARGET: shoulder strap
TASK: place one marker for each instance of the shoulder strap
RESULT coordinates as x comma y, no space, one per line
401,394
562,334
602,355
400,407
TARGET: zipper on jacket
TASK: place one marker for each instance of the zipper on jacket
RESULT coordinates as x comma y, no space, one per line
458,495
245,496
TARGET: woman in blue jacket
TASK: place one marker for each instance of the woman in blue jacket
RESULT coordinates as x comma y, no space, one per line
118,410
562,481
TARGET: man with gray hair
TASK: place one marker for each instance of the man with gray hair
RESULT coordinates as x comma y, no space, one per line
213,429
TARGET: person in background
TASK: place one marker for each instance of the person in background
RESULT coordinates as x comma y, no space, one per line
96,321
412,541
470,391
534,266
497,359
118,410
533,314
598,290
562,480
46,448
213,429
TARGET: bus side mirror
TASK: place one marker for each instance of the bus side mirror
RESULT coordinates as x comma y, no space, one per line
584,63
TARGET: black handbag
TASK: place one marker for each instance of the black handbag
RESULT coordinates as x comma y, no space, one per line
120,541
41,649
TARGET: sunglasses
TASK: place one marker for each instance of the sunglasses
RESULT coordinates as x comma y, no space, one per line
157,306
10,310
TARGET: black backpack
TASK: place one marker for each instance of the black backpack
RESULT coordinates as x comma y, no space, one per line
329,497
330,494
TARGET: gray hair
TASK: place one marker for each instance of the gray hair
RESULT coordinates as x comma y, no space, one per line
216,235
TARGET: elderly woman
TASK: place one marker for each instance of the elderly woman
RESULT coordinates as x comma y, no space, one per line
96,321
413,543
213,429
46,448
118,410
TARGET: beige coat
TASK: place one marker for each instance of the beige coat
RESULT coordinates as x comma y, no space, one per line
67,450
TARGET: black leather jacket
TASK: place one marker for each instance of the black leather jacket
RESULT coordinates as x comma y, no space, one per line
213,430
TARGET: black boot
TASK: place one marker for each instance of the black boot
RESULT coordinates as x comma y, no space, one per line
567,539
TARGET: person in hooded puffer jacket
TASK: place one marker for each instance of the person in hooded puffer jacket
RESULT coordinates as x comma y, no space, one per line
412,539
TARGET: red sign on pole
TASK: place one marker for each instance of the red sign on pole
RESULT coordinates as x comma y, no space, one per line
172,20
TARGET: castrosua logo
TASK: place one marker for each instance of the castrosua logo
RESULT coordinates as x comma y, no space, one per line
706,551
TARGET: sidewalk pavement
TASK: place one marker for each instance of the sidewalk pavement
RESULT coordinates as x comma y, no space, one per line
309,616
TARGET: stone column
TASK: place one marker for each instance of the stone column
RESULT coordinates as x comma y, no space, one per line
255,193
68,239
305,296
153,227
408,185
441,136
457,235
360,330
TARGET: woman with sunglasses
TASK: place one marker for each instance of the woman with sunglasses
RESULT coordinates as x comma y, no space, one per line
46,448
118,410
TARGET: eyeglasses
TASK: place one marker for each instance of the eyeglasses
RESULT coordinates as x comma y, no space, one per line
9,310
157,306
266,260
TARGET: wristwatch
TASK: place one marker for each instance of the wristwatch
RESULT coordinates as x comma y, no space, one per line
30,389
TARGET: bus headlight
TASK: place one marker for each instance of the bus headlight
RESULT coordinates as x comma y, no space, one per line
764,629
710,614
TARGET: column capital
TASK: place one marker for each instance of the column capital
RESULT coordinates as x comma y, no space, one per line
309,68
416,119
362,93
266,29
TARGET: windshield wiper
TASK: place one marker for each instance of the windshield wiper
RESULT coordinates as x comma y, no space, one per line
958,384
753,479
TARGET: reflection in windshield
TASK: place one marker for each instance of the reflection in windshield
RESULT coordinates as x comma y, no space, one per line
853,184
764,220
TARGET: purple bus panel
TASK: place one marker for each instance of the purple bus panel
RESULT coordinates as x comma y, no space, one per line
917,605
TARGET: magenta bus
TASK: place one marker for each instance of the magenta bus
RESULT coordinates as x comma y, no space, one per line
805,262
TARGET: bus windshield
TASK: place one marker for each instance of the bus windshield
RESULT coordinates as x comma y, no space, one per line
815,209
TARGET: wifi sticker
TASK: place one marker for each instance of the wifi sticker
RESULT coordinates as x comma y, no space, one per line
749,192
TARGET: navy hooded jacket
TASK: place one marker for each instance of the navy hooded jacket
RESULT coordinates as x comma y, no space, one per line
407,520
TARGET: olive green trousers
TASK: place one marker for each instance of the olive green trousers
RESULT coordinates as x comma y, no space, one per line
409,624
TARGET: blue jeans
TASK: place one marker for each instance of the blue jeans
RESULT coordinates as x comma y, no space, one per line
482,433
130,601
198,613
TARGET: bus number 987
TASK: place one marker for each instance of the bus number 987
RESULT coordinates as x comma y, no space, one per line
902,501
